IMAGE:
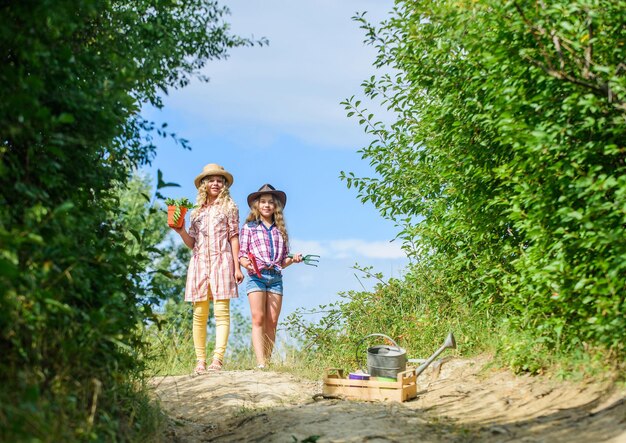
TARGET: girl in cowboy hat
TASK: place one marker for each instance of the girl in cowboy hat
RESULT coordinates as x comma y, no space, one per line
213,271
264,251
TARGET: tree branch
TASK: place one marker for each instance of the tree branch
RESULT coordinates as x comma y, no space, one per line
589,49
586,78
557,46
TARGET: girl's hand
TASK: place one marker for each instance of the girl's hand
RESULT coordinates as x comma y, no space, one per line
189,241
297,258
181,229
238,276
246,263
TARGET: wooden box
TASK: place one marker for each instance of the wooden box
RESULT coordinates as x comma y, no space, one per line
403,389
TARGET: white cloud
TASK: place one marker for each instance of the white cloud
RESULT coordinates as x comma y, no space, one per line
315,60
308,246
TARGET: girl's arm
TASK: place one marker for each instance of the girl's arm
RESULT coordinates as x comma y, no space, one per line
232,220
244,248
297,258
187,239
234,246
246,263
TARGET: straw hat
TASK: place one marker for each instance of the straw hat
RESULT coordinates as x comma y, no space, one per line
268,189
214,169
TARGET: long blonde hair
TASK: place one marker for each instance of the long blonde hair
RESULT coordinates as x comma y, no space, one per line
279,217
223,200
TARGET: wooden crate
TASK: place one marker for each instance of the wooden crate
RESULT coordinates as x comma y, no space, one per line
403,389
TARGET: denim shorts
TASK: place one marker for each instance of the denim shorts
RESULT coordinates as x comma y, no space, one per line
270,281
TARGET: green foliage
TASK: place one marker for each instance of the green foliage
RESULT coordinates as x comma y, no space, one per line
163,260
73,281
180,202
505,167
171,340
417,312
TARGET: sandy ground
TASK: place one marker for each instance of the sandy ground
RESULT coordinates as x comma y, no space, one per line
457,401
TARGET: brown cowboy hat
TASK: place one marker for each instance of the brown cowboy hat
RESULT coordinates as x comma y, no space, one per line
214,169
268,189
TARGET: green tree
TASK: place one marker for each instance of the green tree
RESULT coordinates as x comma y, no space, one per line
505,165
164,260
74,76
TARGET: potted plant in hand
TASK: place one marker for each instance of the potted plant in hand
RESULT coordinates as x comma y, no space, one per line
176,210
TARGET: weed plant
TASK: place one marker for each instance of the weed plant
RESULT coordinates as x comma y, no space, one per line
171,340
416,312
522,352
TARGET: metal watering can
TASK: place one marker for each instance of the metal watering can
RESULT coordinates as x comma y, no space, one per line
389,361
384,360
450,342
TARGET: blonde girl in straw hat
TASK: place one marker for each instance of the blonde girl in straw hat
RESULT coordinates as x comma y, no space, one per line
213,272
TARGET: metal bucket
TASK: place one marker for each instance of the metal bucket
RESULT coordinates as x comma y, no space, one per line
384,360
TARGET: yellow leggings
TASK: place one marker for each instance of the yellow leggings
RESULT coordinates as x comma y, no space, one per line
221,309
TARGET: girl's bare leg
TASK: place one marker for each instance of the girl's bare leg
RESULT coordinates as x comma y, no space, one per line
273,305
257,309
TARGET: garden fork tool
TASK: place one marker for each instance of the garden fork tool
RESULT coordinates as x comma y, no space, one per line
309,259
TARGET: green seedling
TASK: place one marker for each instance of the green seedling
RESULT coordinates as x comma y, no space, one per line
178,203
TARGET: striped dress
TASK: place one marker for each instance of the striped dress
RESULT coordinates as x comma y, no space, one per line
211,263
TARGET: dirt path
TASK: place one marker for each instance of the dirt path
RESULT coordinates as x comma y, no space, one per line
460,401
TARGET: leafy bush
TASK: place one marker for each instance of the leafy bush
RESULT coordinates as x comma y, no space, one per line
74,294
505,167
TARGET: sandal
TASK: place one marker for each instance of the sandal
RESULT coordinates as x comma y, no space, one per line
200,368
215,366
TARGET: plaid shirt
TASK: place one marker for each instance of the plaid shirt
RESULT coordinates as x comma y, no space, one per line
267,245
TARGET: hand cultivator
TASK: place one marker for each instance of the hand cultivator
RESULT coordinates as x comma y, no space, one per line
309,259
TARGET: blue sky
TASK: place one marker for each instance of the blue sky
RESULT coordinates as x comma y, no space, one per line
272,114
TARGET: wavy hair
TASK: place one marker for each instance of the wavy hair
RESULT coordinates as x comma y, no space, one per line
224,200
279,217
